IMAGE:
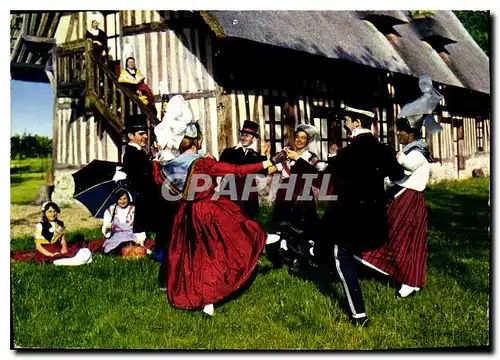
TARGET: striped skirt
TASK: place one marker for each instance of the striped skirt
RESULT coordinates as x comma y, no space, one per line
404,256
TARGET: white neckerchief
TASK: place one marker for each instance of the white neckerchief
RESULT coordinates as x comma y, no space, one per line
359,131
94,32
253,146
137,146
132,71
53,225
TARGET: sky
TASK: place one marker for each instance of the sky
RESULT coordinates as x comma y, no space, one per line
31,108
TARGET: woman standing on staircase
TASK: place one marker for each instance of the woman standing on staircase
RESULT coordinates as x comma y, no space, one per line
99,41
134,79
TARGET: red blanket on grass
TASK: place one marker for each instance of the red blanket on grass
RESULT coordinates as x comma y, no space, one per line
33,255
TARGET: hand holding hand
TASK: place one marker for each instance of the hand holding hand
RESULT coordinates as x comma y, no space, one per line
266,149
292,155
279,157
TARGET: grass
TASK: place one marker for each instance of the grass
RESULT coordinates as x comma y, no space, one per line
24,187
26,177
114,304
30,165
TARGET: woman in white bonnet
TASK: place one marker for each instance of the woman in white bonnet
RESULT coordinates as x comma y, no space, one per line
99,40
214,247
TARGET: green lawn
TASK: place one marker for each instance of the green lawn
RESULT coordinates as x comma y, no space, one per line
26,177
30,165
24,187
114,304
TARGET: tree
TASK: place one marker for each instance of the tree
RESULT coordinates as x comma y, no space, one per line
27,145
477,24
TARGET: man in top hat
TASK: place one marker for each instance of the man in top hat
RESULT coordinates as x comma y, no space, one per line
356,220
139,169
245,153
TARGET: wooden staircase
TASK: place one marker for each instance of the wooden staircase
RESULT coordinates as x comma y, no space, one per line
80,75
31,40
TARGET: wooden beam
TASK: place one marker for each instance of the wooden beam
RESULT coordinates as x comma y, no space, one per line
26,19
77,25
120,31
53,25
132,17
73,45
39,39
43,22
18,44
85,26
21,54
189,96
144,28
65,166
28,58
33,21
113,120
71,25
55,130
17,47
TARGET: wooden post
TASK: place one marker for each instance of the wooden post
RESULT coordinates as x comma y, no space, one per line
89,65
55,119
123,106
224,119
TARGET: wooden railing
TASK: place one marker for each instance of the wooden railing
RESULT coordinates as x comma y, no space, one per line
81,74
71,70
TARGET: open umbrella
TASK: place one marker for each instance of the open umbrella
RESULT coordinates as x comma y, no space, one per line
95,187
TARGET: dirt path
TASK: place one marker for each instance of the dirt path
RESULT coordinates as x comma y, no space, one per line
24,217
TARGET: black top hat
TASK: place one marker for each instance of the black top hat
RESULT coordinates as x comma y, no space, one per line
250,127
134,123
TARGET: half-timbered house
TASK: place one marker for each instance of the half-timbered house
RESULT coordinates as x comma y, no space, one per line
278,68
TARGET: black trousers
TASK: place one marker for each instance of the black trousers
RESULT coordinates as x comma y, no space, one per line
345,264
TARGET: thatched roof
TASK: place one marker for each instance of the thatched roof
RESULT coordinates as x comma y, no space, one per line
346,35
468,62
420,57
333,34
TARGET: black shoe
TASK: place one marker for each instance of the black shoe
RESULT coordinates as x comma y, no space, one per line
304,250
362,321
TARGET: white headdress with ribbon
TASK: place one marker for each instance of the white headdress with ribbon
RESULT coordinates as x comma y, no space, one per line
312,131
44,204
93,31
419,111
176,123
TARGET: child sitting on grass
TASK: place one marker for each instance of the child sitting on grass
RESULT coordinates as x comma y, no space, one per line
50,242
117,228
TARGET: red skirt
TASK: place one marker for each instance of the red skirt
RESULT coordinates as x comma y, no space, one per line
214,250
404,256
40,258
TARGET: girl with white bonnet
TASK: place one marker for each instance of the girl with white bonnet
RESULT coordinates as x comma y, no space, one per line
118,224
